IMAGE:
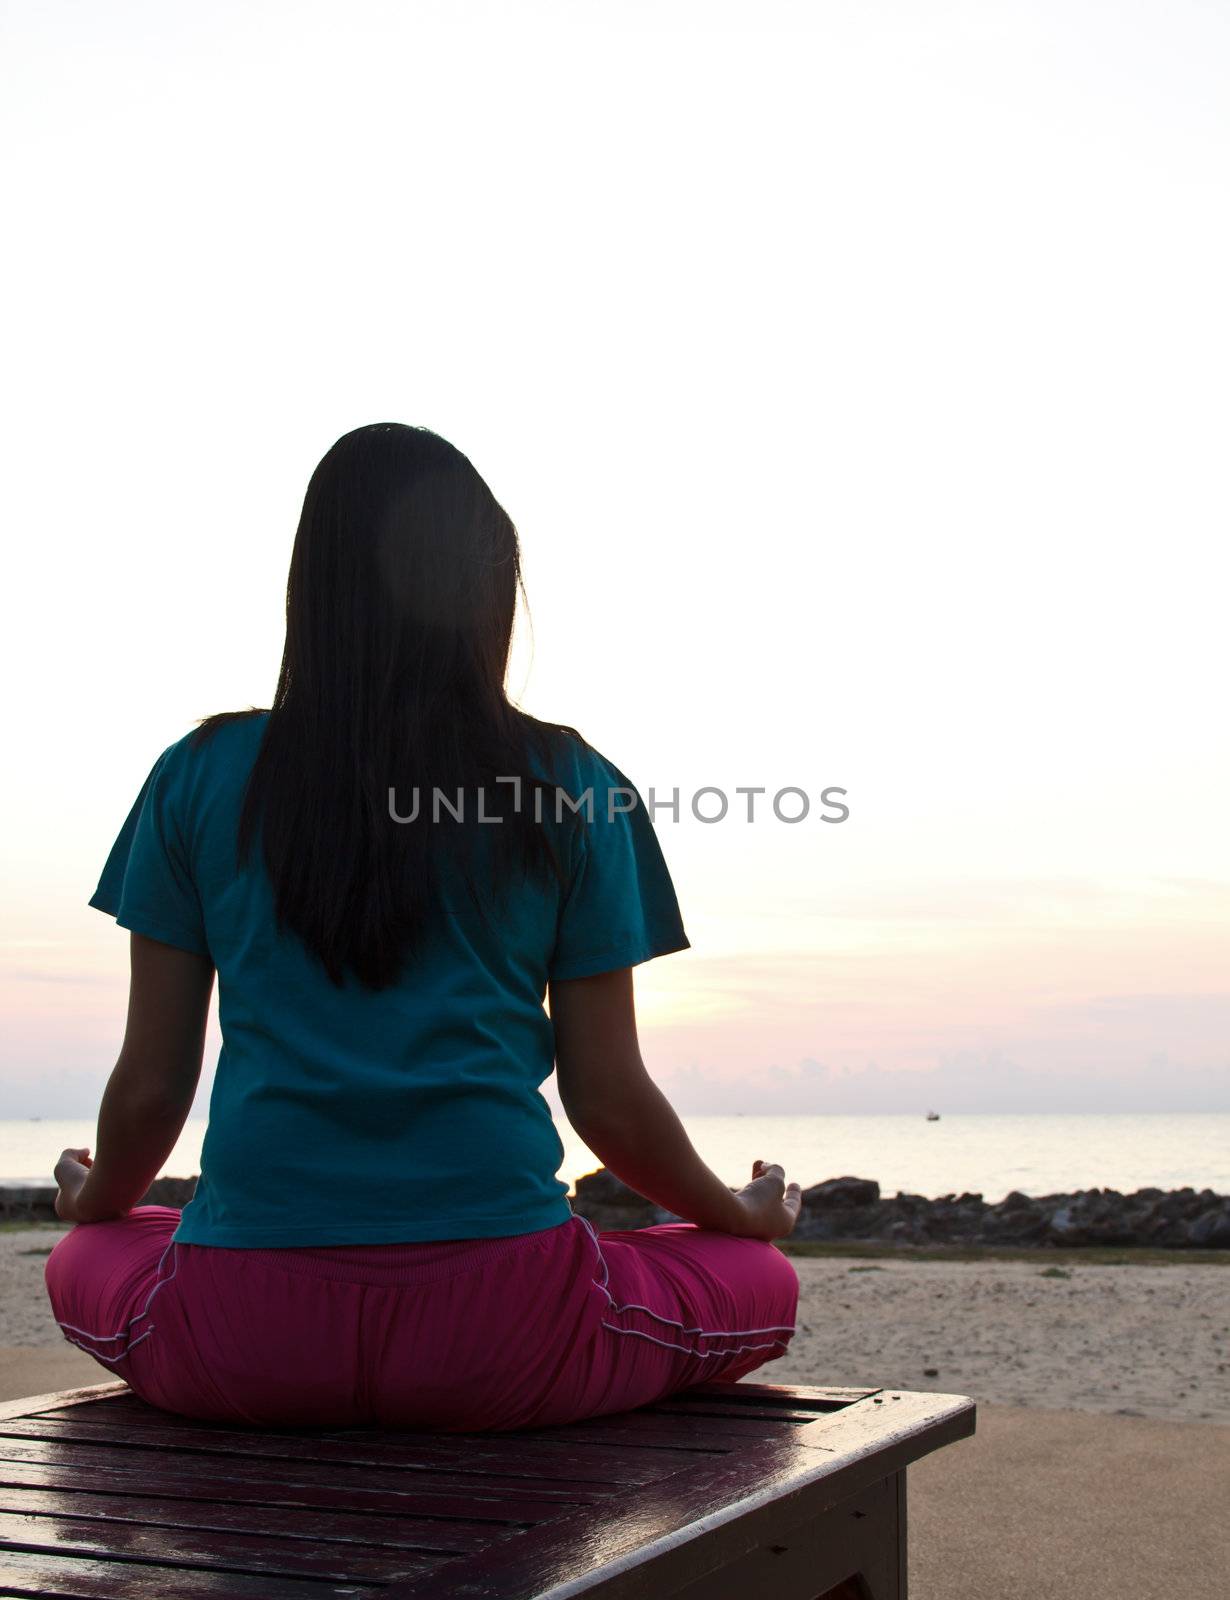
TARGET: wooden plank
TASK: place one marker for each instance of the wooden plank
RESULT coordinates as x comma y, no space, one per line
130,1412
370,1492
626,1429
704,1435
492,1456
742,1414
658,1538
741,1392
67,1578
60,1398
210,1549
791,1392
645,1425
685,1437
874,1423
432,1537
761,1397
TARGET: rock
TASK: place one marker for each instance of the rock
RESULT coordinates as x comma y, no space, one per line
1211,1229
606,1202
169,1192
1018,1228
842,1193
843,1208
21,1202
1016,1220
850,1209
604,1188
36,1202
1094,1218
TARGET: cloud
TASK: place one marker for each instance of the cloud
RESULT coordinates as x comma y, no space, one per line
965,1082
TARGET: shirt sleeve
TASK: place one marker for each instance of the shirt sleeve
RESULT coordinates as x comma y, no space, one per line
147,883
620,908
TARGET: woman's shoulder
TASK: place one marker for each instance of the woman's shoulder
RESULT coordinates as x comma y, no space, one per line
227,738
226,733
228,726
567,758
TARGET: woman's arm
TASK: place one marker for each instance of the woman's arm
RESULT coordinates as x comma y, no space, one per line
631,1126
152,1086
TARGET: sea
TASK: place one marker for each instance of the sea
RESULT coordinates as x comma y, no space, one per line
988,1154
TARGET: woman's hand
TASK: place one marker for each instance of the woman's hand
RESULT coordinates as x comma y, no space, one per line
70,1173
770,1204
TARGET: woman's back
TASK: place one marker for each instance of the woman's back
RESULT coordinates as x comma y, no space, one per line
341,1115
379,1231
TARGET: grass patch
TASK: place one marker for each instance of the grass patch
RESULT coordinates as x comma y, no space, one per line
17,1226
38,1250
1083,1255
1055,1272
864,1269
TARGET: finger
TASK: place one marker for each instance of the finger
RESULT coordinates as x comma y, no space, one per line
793,1199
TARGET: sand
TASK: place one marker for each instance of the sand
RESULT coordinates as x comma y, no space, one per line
1098,1468
1067,1505
1138,1341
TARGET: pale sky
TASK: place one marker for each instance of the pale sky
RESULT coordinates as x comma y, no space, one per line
855,375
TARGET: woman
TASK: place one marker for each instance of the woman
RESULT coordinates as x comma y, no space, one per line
388,871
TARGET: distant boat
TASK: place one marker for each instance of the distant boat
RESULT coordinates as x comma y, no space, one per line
933,1116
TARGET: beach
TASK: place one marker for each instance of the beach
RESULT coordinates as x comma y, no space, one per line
1103,1441
1054,1333
1142,1341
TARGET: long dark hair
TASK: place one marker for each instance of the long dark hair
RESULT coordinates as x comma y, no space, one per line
399,613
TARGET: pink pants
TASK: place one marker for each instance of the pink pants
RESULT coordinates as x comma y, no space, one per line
465,1336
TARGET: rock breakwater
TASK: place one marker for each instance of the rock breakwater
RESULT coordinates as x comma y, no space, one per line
853,1209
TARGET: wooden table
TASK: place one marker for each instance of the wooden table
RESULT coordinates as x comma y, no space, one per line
755,1491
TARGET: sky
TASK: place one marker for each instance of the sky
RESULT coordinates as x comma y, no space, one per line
855,377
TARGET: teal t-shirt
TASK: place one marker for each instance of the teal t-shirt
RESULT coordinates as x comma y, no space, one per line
343,1116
